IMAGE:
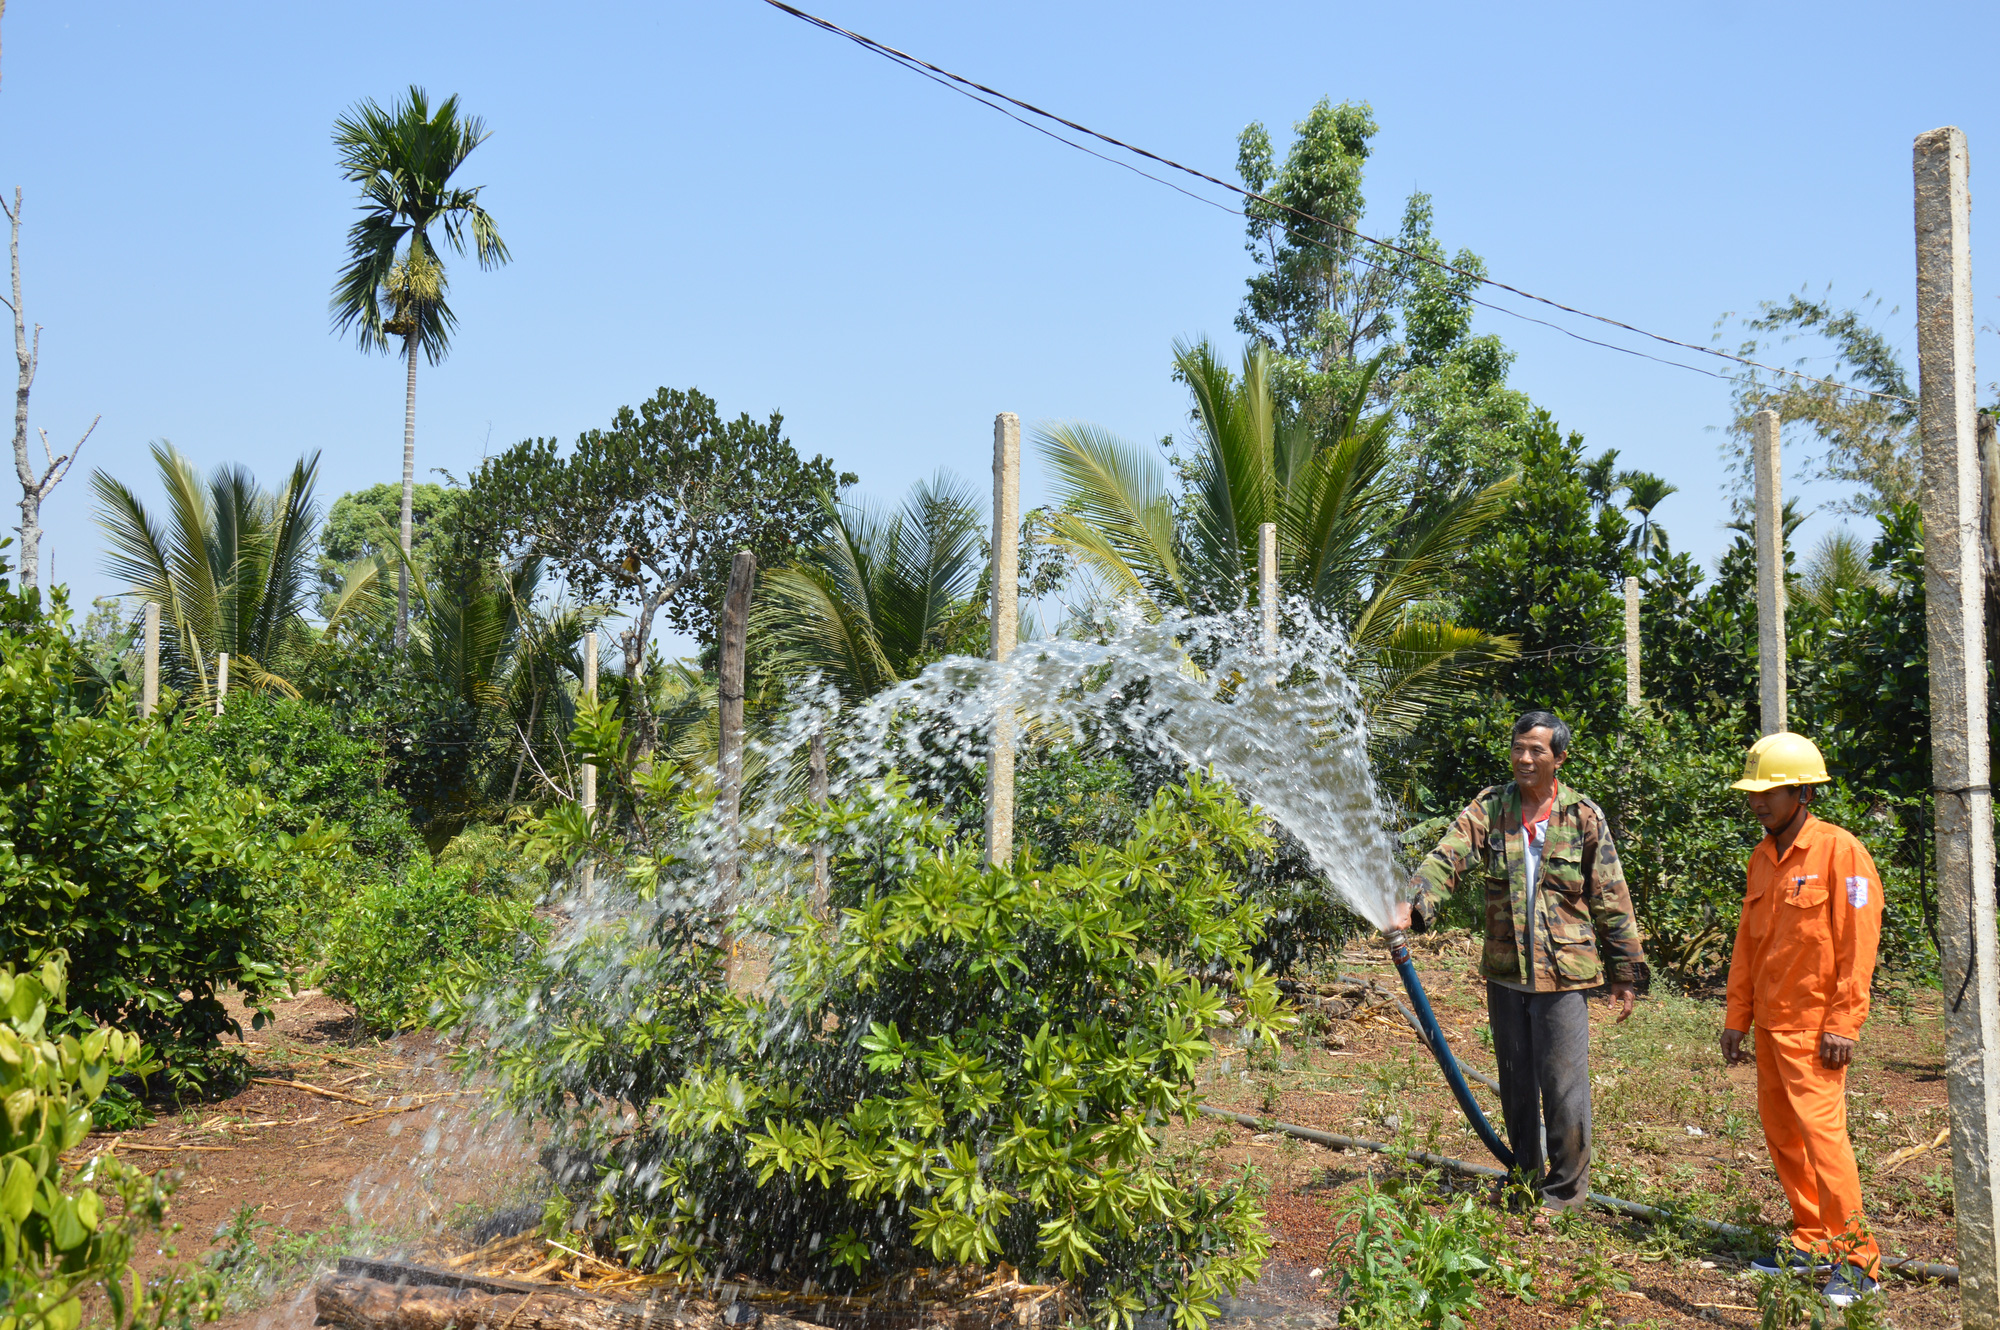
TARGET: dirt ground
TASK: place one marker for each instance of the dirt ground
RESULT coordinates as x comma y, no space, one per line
381,1151
1670,1123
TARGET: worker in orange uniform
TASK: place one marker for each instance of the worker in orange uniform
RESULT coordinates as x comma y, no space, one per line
1805,954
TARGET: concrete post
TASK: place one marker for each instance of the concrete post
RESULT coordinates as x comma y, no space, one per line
1632,696
589,776
1770,574
822,881
1960,762
221,679
1006,624
149,687
1267,582
729,704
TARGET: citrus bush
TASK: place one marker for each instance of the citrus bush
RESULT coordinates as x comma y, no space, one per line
124,844
65,1232
388,948
969,1064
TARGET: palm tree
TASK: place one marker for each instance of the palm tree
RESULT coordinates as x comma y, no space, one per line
230,565
394,283
1838,564
879,594
1329,487
1601,479
1644,492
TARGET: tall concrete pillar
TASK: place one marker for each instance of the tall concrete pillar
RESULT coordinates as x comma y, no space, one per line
1632,696
149,686
221,679
1267,582
1770,574
1960,762
589,775
1006,625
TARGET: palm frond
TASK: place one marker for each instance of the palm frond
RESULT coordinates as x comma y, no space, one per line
1117,515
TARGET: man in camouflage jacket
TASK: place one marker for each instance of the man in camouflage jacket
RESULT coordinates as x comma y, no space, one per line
1558,921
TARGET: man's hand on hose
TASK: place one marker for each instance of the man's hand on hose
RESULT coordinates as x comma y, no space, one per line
1400,915
1624,995
1732,1047
1835,1050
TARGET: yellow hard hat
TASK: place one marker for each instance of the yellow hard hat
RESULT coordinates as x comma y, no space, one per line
1782,759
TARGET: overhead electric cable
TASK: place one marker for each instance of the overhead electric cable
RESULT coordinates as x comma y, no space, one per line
972,87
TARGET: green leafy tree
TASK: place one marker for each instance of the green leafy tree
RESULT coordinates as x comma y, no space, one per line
363,524
648,514
1328,304
878,594
1345,544
394,284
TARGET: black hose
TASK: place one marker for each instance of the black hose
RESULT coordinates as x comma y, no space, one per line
1399,952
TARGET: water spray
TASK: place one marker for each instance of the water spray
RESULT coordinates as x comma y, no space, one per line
1420,1002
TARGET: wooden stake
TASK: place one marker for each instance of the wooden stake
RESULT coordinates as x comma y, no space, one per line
729,698
1961,763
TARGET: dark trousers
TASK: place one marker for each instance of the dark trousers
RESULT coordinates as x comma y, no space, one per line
1542,1042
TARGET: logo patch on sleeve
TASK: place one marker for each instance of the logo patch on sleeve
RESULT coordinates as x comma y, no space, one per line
1857,892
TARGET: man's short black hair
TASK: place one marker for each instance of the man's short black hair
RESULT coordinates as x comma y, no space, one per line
1545,720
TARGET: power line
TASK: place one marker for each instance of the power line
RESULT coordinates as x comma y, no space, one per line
971,88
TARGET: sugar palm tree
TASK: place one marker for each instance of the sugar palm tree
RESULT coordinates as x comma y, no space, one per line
1329,487
879,594
1644,492
394,284
230,564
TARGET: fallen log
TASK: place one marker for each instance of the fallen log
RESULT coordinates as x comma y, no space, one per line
362,1303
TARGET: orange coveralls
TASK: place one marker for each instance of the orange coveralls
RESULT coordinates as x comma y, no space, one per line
1804,958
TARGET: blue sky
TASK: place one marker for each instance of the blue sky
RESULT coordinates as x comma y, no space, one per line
717,195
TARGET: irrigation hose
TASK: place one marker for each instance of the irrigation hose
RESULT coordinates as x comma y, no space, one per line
1902,1265
1399,952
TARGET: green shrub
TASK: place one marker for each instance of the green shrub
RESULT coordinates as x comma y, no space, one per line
66,1232
123,843
388,948
968,1067
1402,1265
295,754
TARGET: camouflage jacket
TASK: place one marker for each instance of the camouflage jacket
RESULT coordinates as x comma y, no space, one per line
1583,931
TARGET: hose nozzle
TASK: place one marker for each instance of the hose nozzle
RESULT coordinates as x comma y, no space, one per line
1399,944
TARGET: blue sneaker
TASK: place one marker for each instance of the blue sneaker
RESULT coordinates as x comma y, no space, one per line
1789,1260
1849,1286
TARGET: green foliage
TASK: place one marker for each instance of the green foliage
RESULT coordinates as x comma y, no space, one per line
123,843
1328,304
650,512
389,949
1066,799
229,564
879,595
299,757
68,1233
254,1258
1401,1265
965,1068
365,523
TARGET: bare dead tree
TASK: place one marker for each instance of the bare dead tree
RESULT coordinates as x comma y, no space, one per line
34,488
